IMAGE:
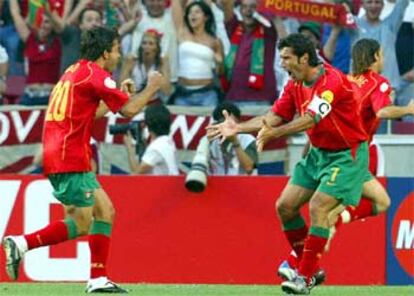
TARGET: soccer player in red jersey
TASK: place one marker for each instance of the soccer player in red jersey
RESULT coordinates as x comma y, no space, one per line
73,105
331,173
373,94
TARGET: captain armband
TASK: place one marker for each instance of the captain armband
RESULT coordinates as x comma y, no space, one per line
319,108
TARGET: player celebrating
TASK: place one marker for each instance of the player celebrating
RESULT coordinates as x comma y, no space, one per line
373,94
72,108
332,171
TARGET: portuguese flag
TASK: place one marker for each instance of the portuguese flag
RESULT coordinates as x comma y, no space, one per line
35,12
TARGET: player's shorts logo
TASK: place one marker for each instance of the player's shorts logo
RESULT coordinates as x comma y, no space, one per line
403,234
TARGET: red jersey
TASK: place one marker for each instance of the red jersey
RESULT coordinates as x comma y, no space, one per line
331,103
70,115
372,92
43,58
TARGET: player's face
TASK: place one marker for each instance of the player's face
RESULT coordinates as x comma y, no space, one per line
292,64
113,57
373,8
90,19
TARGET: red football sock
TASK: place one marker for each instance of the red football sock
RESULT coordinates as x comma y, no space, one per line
54,233
296,238
293,260
99,246
364,209
313,249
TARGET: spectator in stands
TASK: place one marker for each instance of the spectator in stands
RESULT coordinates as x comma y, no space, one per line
254,81
160,156
237,155
384,31
220,25
313,31
157,16
148,58
43,56
200,55
4,67
10,40
70,30
341,58
83,17
405,57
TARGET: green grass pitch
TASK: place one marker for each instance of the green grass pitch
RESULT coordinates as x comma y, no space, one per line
63,289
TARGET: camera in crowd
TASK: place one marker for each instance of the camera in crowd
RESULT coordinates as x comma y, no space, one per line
135,127
196,180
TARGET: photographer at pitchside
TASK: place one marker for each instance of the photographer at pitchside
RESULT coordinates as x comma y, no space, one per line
159,157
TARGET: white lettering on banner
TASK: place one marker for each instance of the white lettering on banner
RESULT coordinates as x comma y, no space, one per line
180,124
22,130
405,237
4,127
9,190
38,265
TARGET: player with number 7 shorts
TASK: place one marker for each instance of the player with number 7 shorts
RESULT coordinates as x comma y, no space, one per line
317,99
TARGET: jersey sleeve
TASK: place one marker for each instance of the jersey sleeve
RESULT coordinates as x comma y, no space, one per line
381,96
107,91
285,105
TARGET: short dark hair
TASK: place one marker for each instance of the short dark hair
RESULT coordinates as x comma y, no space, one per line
96,41
363,55
158,119
210,25
231,108
85,10
300,46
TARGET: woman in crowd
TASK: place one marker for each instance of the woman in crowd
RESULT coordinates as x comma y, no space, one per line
200,54
148,59
42,52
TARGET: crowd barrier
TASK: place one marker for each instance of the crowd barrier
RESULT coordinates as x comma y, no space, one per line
227,235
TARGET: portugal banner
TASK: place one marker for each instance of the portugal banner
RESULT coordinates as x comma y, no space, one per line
309,10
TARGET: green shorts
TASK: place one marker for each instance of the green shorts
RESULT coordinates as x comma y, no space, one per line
75,188
338,174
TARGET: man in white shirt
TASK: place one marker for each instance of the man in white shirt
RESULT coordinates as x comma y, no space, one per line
159,157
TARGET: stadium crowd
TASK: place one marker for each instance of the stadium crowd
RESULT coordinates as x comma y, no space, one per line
196,45
207,51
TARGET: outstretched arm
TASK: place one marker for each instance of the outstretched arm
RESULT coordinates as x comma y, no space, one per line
267,132
230,127
392,112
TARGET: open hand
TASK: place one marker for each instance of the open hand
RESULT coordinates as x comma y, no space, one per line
226,129
265,134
